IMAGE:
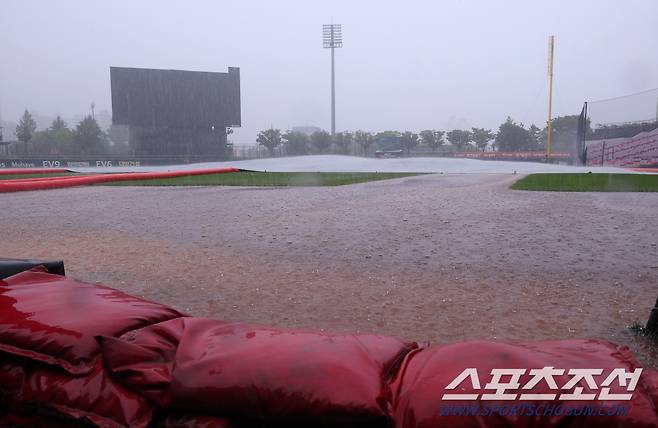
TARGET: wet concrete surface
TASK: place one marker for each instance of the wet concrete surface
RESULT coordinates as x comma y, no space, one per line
440,257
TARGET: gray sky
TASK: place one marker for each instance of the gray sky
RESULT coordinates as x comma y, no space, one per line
408,65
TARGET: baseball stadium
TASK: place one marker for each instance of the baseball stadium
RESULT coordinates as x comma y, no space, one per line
159,274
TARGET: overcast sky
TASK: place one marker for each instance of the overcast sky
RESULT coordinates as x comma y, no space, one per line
405,65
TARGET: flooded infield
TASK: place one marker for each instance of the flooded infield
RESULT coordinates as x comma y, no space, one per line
437,257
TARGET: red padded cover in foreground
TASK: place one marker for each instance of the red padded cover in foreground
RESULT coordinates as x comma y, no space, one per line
421,381
42,395
54,319
187,421
207,366
32,420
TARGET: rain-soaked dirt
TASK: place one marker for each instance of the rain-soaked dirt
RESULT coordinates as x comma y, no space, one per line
438,257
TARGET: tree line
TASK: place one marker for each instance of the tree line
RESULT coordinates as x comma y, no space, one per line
86,138
510,137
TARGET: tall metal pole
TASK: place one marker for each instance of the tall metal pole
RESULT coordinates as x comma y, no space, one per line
332,38
333,89
551,44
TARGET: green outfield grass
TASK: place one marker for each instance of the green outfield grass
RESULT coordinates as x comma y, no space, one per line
18,176
570,182
245,178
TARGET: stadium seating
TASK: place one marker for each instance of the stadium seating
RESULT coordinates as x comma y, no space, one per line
76,354
634,152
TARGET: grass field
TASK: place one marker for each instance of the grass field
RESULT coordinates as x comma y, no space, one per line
245,178
20,176
589,182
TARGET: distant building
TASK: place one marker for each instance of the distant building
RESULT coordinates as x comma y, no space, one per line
307,130
181,115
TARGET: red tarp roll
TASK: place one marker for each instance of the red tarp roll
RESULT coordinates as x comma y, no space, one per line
203,366
420,384
38,395
43,183
54,319
187,421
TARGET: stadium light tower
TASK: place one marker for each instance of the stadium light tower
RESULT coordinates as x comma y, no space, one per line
332,37
549,122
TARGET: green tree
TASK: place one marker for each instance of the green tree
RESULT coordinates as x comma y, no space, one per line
512,137
88,136
459,138
432,139
535,137
50,142
296,143
43,144
481,137
25,129
564,133
270,139
364,140
321,141
58,124
409,140
343,140
56,140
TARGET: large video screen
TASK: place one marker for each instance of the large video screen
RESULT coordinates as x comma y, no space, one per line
176,99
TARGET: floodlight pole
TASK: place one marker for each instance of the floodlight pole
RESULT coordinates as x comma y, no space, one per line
549,127
333,94
332,38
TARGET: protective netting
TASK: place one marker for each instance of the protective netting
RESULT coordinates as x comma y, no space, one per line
620,131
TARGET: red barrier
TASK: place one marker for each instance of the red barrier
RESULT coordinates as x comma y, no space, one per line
187,421
204,366
31,420
19,171
423,379
204,370
40,183
536,155
54,319
39,395
650,383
